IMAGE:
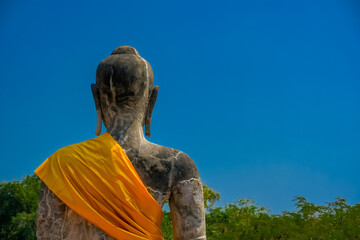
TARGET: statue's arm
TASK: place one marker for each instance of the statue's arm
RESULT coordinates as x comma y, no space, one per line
186,201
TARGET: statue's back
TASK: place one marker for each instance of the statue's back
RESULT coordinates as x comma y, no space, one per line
124,98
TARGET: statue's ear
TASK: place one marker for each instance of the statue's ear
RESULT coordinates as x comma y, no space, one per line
96,94
150,109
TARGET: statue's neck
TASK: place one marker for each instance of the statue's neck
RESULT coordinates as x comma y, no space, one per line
128,133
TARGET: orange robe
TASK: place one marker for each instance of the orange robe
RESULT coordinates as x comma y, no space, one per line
96,179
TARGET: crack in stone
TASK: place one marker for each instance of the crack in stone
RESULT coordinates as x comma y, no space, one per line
198,238
112,89
189,180
161,196
156,191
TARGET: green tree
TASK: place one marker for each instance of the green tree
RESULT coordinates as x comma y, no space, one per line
166,226
336,220
18,208
210,197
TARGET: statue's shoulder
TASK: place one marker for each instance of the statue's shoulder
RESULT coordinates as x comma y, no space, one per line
66,150
70,150
183,167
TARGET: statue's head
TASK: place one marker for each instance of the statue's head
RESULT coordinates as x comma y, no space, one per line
124,88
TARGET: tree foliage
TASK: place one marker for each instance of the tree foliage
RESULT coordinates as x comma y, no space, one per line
18,208
336,220
210,197
240,220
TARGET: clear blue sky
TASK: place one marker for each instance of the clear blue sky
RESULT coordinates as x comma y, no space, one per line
263,95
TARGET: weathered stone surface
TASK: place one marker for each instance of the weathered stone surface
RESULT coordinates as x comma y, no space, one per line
125,97
57,221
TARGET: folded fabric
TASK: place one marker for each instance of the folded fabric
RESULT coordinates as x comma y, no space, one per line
96,179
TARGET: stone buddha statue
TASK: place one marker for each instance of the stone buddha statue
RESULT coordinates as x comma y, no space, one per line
124,98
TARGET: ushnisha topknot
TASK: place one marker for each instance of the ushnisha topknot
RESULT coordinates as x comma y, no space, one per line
125,50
